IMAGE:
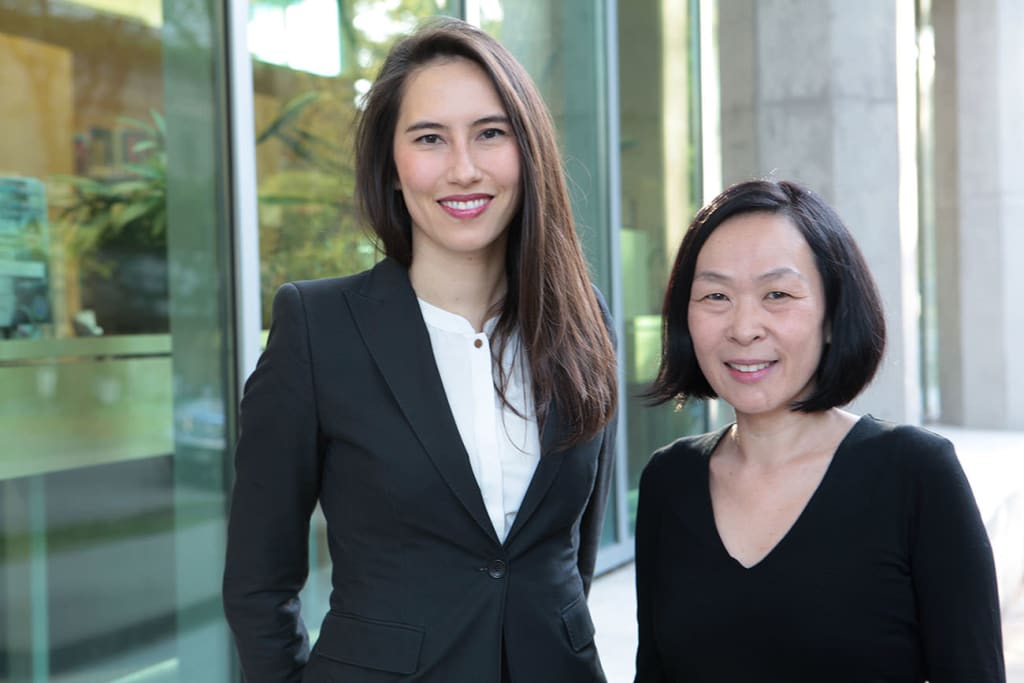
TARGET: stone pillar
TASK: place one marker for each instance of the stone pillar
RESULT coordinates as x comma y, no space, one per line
979,176
809,92
947,213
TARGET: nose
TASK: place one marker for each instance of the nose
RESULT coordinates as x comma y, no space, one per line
746,325
463,169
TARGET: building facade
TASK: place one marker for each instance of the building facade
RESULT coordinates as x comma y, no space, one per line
167,164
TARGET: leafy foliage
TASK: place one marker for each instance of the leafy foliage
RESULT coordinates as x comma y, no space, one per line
308,224
128,211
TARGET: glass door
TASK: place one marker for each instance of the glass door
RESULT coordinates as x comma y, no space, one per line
661,190
114,347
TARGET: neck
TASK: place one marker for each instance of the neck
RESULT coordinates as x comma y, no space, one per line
471,287
779,438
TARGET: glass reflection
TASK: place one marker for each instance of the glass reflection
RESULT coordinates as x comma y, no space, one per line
111,352
660,155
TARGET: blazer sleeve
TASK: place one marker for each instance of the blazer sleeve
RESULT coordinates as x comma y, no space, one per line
648,662
277,466
593,516
953,574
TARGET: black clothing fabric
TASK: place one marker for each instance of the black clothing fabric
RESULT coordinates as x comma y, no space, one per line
886,576
346,409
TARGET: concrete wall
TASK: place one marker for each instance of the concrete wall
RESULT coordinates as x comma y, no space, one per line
980,210
810,92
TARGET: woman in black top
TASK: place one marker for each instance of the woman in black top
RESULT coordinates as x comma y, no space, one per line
800,543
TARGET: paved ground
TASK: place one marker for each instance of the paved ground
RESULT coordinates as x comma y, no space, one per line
1013,641
613,606
994,463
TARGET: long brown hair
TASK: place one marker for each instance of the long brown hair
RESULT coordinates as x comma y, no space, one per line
549,299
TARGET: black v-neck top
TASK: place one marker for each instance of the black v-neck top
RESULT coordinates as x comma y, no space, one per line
886,575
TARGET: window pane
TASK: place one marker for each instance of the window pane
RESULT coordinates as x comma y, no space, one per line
112,342
660,193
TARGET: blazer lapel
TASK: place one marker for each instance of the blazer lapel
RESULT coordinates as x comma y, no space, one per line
550,461
389,320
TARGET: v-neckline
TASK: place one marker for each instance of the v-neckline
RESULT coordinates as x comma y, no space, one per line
774,550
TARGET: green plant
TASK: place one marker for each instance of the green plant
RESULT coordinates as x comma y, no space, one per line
308,224
129,211
307,219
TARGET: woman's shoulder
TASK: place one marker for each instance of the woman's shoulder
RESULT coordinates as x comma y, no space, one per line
685,452
894,435
320,299
330,285
383,280
917,450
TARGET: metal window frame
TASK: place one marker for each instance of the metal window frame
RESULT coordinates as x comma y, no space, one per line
244,211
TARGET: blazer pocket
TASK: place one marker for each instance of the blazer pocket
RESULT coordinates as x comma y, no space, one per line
578,624
382,645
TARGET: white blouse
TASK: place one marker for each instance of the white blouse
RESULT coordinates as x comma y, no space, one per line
503,448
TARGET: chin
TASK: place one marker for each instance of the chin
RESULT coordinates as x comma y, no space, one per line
758,408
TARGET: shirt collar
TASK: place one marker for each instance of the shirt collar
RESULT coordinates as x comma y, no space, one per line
451,322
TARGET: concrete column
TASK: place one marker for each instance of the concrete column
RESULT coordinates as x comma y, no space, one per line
980,210
947,213
811,91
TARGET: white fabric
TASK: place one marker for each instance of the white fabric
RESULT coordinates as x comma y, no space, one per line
503,448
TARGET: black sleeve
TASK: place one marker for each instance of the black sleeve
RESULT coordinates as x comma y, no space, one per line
277,465
954,575
593,517
648,662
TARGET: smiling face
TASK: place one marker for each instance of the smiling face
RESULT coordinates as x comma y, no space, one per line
457,162
757,313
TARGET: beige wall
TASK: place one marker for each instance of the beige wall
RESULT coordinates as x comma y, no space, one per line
39,117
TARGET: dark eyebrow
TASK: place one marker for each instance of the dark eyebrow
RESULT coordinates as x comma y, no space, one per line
431,125
711,275
493,118
777,273
424,125
774,274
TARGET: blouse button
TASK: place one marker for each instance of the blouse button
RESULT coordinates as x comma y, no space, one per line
478,343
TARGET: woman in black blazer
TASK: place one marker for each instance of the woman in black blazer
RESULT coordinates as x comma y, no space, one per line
451,409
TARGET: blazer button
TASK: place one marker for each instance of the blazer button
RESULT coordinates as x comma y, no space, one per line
496,569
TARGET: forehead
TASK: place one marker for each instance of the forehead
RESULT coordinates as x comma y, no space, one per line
451,86
752,244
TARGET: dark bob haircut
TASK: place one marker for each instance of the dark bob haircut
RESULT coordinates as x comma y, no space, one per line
853,308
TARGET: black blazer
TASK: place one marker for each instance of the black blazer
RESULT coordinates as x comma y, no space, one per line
346,406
